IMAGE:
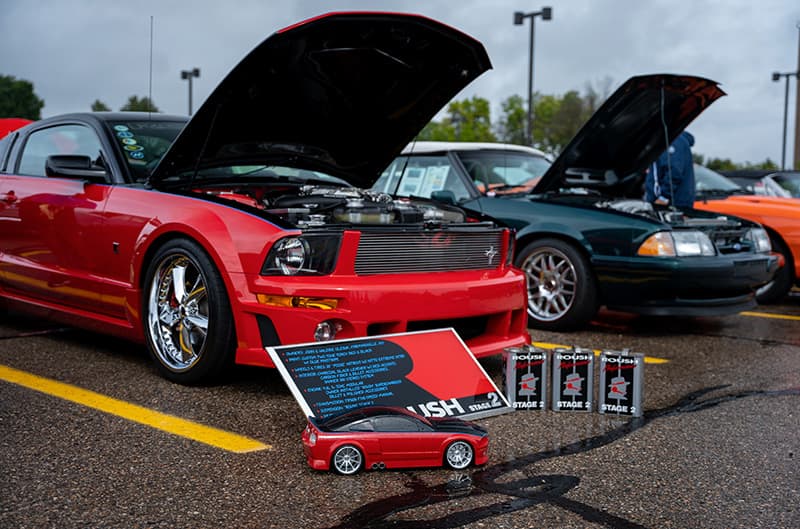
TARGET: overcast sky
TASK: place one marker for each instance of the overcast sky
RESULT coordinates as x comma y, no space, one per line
76,51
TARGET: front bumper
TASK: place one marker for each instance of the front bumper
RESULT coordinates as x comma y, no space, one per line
691,286
487,309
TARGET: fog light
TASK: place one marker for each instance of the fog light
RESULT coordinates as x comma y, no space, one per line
327,331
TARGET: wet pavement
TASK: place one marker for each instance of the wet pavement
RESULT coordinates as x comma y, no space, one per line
717,446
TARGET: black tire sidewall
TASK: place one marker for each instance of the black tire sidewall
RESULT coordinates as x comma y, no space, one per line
585,304
220,341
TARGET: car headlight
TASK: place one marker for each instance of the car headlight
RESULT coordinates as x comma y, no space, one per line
312,438
303,255
684,243
692,243
760,239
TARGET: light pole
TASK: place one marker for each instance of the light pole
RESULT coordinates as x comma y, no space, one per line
776,76
189,74
519,19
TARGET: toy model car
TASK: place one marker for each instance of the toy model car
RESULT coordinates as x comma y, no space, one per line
779,215
584,236
384,437
249,225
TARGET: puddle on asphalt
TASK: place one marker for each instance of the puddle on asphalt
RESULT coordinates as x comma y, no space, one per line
523,493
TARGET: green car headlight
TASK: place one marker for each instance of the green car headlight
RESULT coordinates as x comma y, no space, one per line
684,243
692,242
302,255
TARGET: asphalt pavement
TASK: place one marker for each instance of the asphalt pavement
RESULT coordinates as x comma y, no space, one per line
717,445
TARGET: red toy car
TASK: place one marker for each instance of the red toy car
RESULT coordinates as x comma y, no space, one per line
213,238
385,437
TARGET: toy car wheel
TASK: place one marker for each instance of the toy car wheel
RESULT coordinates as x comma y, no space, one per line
187,316
458,455
562,291
347,460
781,283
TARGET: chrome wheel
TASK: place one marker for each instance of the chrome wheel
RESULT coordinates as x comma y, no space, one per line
458,455
178,312
552,283
347,460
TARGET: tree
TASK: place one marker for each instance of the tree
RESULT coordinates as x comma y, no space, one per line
467,120
18,100
135,104
511,128
99,106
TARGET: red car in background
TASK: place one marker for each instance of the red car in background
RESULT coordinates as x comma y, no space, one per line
250,224
383,437
11,124
780,216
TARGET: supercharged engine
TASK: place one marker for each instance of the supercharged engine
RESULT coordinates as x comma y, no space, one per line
315,206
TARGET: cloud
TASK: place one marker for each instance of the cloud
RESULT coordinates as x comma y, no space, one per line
78,51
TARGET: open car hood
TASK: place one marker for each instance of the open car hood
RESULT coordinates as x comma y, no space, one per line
628,132
341,93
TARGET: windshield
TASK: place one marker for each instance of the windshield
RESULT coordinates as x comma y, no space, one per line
706,180
144,143
503,171
789,183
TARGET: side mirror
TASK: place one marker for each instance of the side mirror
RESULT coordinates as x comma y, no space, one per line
75,167
445,195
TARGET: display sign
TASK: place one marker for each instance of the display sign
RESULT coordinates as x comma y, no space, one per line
431,373
573,376
526,377
621,383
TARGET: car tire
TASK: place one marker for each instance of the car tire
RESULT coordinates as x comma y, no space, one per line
562,290
459,455
188,328
347,460
782,281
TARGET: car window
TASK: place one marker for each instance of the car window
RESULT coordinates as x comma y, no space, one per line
64,139
503,170
364,425
421,176
706,179
144,143
790,183
396,424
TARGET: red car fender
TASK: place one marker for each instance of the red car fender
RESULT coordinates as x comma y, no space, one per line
236,243
370,449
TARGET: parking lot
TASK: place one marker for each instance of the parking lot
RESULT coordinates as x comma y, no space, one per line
92,437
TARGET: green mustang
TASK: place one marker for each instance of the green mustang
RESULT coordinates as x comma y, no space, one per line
584,236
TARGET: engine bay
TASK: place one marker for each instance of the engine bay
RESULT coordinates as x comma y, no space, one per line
309,206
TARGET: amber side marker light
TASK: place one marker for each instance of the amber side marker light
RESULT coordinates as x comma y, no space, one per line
298,302
659,244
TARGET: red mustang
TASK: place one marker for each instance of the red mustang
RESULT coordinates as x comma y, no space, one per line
248,225
379,437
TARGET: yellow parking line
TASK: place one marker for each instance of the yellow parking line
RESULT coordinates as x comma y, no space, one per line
161,421
647,359
770,315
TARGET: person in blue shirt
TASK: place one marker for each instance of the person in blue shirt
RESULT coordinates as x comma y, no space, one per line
670,180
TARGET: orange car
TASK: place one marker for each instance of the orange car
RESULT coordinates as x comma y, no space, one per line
780,217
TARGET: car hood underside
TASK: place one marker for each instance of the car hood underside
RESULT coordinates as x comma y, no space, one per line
341,93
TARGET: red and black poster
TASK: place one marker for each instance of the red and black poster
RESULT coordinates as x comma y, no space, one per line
429,372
